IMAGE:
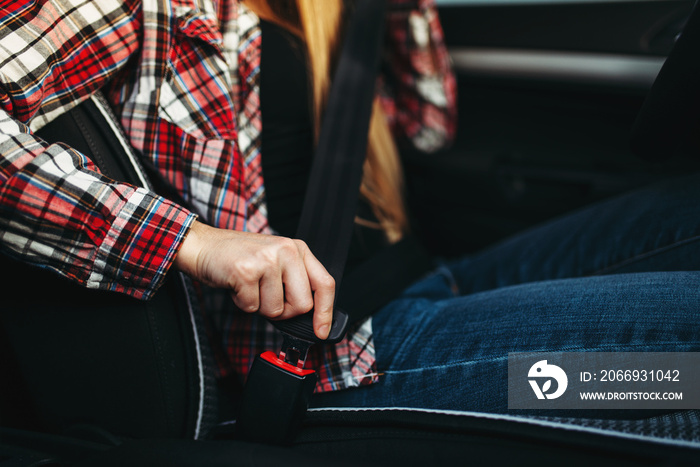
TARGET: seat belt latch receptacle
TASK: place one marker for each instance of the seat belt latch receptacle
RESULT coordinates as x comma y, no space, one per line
275,398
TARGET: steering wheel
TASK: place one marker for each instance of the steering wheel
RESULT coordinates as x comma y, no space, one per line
672,108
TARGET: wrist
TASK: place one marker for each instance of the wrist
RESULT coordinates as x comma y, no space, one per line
188,254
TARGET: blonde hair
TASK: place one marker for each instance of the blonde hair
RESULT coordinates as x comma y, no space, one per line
318,23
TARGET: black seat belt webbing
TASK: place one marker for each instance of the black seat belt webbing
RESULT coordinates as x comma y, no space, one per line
278,388
331,199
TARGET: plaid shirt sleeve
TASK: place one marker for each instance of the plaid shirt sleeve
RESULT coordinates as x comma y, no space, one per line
419,92
56,209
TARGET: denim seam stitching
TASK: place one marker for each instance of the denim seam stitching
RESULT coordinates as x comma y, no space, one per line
566,349
644,255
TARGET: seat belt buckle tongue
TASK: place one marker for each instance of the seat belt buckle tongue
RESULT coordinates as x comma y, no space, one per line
301,327
294,350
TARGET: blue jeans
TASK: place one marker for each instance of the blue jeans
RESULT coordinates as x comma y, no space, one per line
622,275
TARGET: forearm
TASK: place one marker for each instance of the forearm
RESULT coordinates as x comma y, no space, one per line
59,212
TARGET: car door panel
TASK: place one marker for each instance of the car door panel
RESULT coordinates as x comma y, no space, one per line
548,93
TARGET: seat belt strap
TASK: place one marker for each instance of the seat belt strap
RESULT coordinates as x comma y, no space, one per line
331,199
330,205
277,391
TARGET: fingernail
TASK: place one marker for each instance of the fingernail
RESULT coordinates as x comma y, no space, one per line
323,331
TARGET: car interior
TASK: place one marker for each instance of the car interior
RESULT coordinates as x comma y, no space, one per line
561,103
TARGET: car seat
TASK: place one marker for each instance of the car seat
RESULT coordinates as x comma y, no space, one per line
96,378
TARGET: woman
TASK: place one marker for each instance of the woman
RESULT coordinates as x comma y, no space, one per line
183,78
200,101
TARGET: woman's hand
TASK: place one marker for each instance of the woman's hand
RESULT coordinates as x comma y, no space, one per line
275,276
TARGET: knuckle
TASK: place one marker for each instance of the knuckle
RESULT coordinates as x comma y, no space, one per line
247,270
274,312
287,246
327,282
301,306
268,256
288,243
325,313
245,305
306,304
300,244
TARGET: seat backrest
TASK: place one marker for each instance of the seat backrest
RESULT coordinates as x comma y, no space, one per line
77,358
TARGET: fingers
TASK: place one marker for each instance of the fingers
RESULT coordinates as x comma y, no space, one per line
300,284
271,295
297,288
247,298
277,277
259,287
291,293
323,286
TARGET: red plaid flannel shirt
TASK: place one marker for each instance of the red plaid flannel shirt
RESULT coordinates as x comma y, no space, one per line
183,77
